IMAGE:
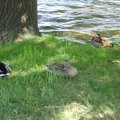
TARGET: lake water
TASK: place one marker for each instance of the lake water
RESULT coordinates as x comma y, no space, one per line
79,19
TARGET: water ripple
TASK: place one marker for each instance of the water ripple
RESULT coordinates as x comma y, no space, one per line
81,16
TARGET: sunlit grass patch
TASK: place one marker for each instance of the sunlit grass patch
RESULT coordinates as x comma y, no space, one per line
75,111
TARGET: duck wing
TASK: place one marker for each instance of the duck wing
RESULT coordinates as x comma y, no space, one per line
59,67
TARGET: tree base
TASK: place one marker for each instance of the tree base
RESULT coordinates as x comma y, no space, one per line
18,35
18,19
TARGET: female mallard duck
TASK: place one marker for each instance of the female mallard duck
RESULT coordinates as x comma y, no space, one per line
65,69
97,41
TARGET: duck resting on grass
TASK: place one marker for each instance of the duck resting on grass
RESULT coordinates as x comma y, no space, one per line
65,69
97,42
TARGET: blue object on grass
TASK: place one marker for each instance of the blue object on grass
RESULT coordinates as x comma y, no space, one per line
4,69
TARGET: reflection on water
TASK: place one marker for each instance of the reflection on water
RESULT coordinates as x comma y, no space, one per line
79,18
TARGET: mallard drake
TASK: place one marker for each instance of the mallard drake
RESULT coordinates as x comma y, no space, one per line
97,41
65,69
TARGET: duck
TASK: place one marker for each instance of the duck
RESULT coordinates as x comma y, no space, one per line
97,41
97,38
63,69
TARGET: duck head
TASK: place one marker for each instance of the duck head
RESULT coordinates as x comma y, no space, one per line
97,38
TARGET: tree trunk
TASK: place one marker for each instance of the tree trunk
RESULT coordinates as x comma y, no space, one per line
18,18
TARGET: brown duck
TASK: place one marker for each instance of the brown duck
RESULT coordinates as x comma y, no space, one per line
65,69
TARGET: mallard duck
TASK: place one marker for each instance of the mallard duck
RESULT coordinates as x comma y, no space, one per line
65,69
97,41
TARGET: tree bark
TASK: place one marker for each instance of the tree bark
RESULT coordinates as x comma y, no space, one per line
18,18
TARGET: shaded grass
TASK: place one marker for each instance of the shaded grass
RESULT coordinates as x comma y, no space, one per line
31,93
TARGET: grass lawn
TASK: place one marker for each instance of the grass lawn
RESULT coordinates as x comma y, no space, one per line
31,93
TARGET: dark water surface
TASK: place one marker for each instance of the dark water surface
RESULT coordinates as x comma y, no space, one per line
79,19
